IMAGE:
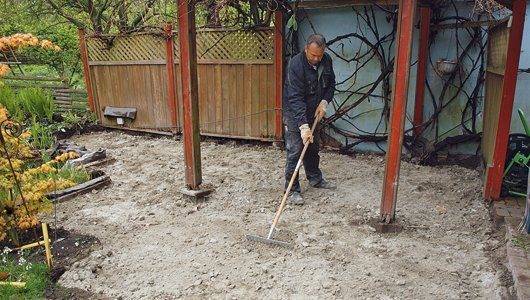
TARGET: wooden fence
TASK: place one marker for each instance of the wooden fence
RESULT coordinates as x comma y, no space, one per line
65,97
236,73
496,62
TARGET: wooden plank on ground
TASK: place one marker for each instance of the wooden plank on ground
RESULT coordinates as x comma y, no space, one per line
79,189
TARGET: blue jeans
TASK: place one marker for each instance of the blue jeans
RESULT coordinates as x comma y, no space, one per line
294,147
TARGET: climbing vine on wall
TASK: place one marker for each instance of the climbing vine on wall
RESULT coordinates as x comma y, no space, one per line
374,42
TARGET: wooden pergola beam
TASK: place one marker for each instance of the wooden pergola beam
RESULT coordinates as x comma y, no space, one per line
342,3
345,3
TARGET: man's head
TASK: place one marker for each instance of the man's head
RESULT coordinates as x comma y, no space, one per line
314,48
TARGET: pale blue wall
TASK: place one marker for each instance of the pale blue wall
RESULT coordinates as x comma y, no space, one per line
522,94
339,21
332,22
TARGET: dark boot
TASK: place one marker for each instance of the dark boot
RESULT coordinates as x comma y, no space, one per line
296,198
323,184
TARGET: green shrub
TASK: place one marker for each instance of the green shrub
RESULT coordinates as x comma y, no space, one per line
72,120
77,175
37,103
41,135
8,99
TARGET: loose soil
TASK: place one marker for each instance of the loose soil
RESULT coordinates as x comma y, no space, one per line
156,243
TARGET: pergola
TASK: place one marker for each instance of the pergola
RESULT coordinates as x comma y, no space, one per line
406,15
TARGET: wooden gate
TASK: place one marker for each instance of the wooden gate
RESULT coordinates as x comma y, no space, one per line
236,73
496,63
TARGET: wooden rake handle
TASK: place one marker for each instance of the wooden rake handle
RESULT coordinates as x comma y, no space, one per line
290,186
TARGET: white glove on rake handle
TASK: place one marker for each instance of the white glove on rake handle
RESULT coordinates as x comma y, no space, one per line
305,132
321,110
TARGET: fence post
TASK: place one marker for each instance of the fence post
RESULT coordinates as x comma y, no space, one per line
86,70
170,67
278,65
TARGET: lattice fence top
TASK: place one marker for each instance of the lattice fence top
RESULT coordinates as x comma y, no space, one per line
217,44
235,44
127,48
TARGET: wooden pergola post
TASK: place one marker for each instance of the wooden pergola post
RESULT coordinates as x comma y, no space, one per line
278,63
423,53
494,174
405,25
86,70
190,100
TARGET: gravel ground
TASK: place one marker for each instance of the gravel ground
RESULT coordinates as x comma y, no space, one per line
156,243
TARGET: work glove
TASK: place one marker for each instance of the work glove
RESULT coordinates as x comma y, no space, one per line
321,110
306,134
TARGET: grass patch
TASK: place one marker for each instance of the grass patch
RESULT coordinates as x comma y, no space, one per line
37,102
34,274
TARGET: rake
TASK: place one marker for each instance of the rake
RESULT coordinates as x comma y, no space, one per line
269,240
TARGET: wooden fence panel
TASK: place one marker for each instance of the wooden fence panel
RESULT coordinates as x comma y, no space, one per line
140,86
496,61
130,71
236,100
235,72
236,83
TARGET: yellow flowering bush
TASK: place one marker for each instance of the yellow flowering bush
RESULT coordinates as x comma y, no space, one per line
19,208
22,40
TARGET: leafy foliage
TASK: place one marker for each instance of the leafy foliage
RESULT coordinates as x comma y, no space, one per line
11,45
37,103
33,104
23,194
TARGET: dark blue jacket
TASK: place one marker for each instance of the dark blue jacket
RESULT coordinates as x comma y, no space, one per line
303,91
